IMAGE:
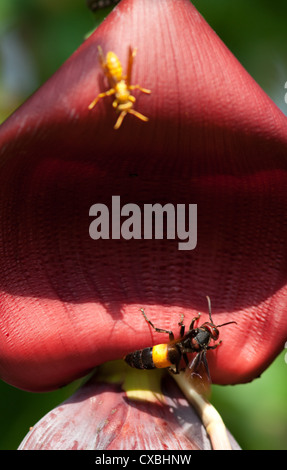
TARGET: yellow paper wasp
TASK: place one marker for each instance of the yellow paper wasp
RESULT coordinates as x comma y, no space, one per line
169,355
120,85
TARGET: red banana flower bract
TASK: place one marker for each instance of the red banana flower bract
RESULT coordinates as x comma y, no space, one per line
213,138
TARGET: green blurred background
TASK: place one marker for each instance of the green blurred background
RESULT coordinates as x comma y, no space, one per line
36,37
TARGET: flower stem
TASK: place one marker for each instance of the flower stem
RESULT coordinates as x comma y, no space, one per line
210,417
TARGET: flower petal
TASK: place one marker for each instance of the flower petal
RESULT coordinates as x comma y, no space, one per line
101,415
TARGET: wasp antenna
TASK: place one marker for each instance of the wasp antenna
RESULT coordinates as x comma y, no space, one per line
228,323
209,308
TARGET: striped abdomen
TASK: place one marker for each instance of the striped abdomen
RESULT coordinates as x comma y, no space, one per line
140,359
114,67
150,358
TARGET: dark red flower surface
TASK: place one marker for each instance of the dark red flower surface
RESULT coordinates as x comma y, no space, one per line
213,138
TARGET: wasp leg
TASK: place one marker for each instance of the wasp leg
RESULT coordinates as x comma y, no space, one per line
176,370
183,352
196,361
170,369
138,87
204,360
158,330
193,321
120,119
138,115
215,346
182,326
132,99
185,358
101,95
195,364
124,113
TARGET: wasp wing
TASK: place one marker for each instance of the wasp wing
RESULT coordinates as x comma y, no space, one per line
197,374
